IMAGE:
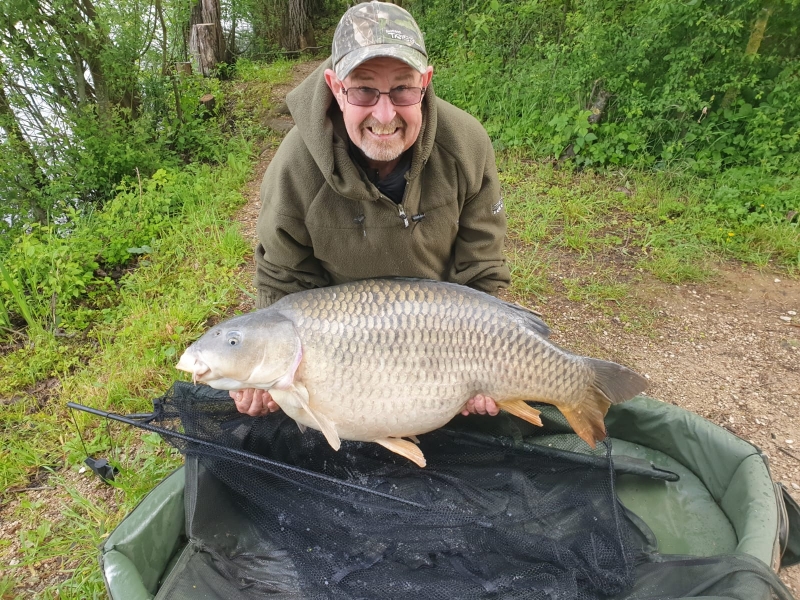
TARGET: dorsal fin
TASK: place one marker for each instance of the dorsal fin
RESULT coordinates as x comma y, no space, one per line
530,318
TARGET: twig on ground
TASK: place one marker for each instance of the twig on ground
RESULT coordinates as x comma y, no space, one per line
19,490
792,454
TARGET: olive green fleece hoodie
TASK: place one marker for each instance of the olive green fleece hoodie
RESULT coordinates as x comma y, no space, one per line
322,222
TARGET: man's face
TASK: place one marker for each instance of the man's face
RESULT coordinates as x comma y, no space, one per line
384,131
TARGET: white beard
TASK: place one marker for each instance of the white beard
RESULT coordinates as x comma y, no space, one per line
383,150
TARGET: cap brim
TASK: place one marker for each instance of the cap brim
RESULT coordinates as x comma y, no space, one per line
413,58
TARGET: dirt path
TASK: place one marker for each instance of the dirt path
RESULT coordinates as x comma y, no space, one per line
728,350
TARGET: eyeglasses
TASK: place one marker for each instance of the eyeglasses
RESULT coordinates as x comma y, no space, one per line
400,96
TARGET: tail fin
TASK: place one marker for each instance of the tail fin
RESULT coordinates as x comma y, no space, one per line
613,384
617,383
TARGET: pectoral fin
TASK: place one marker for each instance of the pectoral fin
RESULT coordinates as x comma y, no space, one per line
328,429
294,401
404,448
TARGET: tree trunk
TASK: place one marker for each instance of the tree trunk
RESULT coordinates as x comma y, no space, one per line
164,56
296,30
230,49
207,41
93,45
80,79
753,44
204,47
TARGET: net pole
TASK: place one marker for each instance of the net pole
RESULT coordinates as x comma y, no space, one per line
239,453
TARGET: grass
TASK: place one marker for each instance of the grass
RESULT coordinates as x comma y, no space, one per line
249,98
164,305
654,221
597,239
597,289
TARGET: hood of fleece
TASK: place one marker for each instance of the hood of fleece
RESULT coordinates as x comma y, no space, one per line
320,124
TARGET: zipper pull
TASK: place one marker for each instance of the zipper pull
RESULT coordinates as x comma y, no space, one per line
403,216
359,220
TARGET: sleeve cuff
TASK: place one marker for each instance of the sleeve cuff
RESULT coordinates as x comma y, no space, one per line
267,298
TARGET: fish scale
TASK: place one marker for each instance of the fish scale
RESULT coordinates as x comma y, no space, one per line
380,360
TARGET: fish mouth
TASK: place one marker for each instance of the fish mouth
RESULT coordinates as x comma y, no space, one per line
191,363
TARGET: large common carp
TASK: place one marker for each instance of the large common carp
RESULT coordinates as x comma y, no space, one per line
385,359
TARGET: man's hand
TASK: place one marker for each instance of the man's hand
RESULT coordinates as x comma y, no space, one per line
480,405
255,403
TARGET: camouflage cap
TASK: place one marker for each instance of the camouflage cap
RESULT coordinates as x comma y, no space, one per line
372,29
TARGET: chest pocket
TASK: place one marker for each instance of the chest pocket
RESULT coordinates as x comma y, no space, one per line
358,240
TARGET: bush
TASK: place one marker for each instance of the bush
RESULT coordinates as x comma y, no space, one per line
693,85
61,275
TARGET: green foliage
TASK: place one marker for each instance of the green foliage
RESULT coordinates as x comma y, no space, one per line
690,86
19,302
532,69
65,275
61,275
75,131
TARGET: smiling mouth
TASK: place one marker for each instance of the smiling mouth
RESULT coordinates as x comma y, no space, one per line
383,131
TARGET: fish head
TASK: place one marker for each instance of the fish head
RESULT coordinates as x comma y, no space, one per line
257,350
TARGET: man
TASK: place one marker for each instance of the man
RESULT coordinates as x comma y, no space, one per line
378,178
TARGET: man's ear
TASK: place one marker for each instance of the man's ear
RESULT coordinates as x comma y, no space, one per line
335,86
427,76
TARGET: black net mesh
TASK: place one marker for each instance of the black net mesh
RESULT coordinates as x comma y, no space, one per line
277,512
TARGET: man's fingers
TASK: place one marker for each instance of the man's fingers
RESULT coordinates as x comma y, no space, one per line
480,405
253,402
257,410
258,407
242,400
469,407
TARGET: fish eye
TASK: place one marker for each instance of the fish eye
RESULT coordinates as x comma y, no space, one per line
233,338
